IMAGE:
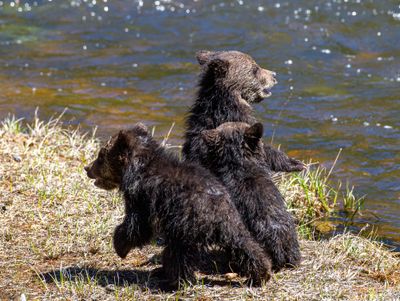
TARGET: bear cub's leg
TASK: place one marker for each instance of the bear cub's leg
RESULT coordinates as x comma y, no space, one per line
178,263
133,232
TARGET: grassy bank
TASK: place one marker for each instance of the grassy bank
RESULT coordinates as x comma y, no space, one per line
56,227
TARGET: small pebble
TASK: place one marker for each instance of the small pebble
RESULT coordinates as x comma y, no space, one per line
387,127
16,158
230,276
365,123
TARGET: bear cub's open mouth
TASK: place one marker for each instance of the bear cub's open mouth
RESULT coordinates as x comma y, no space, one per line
264,93
267,92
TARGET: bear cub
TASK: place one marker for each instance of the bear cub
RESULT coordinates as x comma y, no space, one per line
185,203
232,153
230,82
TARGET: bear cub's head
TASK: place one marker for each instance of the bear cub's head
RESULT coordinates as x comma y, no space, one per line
108,168
236,72
233,142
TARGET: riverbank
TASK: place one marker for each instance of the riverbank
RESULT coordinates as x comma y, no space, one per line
55,240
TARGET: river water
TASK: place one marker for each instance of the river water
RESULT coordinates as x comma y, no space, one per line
116,62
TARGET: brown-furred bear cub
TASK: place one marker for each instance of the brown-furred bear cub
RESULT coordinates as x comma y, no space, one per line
230,82
190,208
232,153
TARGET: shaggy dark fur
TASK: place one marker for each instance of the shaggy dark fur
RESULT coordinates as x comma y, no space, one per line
233,152
230,82
189,207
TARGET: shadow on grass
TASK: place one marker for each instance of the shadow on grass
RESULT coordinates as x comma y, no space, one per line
107,278
152,280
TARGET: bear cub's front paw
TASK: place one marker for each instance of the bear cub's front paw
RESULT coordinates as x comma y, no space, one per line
121,243
296,165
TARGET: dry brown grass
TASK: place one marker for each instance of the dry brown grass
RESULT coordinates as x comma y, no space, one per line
55,237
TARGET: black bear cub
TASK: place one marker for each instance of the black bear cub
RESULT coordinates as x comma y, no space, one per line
230,82
232,153
189,207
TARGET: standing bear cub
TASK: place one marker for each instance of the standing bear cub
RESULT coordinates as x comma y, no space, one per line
230,83
185,202
233,151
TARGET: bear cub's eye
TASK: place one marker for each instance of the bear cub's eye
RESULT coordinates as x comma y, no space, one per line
255,70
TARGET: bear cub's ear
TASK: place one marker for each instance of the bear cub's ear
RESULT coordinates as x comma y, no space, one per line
253,134
142,128
122,146
210,136
204,56
255,131
210,60
126,138
122,142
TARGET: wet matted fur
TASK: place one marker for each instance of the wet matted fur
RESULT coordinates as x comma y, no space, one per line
230,82
191,208
233,151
